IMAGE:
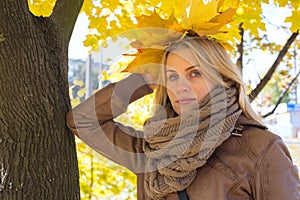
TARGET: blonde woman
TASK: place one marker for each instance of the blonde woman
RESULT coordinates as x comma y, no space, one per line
203,142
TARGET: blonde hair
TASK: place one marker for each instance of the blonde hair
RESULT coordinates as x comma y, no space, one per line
215,65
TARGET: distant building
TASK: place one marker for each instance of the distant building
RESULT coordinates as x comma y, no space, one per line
91,81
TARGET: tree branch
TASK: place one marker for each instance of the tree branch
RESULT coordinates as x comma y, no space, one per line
240,47
282,96
65,14
269,74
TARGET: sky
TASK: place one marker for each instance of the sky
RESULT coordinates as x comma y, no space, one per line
76,47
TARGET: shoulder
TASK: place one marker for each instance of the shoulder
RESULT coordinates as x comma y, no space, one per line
258,136
253,138
273,168
257,141
253,143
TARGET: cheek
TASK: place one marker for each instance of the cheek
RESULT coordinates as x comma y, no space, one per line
202,94
202,90
171,95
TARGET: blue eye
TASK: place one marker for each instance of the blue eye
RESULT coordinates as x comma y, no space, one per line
173,77
195,73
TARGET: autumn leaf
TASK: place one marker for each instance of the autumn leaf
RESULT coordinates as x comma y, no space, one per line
294,19
153,31
92,41
224,18
155,37
41,7
204,19
87,7
153,20
208,18
284,72
146,61
200,13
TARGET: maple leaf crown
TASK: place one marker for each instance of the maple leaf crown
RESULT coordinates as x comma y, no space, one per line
203,19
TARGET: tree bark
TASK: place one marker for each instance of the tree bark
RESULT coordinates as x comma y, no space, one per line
240,48
37,153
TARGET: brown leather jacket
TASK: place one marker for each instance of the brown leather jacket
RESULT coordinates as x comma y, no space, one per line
252,164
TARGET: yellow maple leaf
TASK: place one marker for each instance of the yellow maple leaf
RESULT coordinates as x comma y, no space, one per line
203,18
154,37
41,8
92,41
87,8
225,17
146,61
294,19
214,25
154,31
201,13
155,20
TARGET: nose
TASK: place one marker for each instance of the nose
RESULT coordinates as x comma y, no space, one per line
182,84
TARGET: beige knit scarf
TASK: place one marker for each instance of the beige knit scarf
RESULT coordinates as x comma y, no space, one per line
177,146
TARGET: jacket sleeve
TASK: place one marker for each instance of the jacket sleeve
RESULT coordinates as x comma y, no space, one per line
92,121
277,177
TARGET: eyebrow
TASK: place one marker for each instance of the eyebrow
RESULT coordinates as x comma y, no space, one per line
187,69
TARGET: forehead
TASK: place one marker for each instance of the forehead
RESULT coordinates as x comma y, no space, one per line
181,58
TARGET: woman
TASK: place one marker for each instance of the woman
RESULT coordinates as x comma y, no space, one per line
203,142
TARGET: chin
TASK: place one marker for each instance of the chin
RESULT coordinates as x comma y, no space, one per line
183,111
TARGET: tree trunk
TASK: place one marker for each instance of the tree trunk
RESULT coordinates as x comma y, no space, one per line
37,153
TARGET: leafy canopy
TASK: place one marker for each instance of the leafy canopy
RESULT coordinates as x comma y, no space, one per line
108,19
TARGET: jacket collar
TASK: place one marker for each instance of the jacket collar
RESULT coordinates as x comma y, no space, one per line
244,121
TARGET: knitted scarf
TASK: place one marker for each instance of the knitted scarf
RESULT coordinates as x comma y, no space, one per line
176,147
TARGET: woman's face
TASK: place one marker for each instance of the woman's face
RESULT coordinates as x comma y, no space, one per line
185,84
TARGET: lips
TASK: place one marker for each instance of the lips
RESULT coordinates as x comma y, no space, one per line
186,101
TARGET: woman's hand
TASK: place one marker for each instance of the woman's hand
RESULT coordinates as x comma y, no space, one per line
149,80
